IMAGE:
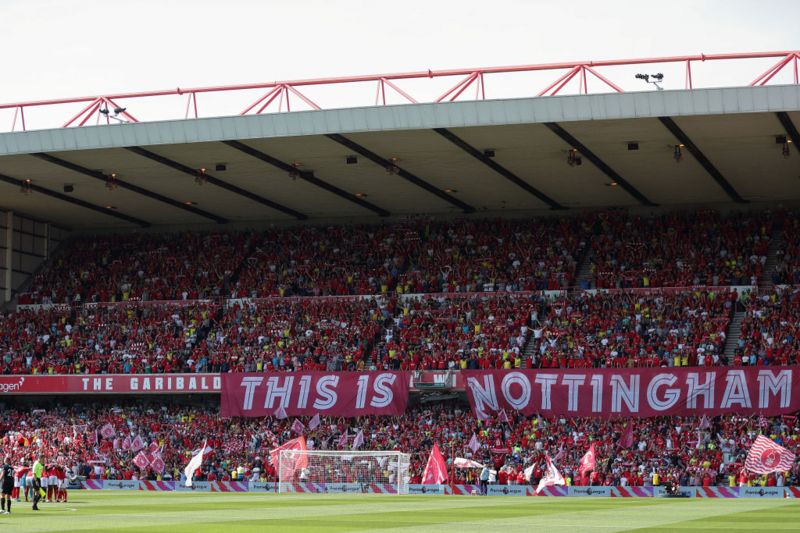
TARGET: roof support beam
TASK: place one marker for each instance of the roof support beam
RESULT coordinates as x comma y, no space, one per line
406,175
74,201
702,159
599,163
497,167
791,130
216,181
129,186
306,175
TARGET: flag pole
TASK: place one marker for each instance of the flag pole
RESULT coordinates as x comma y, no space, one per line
452,469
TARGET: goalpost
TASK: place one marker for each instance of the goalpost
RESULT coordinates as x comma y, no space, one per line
343,471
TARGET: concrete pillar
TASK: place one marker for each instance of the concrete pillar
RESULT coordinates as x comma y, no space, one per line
9,254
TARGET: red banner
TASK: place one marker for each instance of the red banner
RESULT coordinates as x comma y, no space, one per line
634,392
111,384
346,394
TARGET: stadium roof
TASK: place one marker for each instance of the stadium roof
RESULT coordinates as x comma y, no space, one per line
456,157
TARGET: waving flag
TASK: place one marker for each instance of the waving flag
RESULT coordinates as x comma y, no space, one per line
195,463
126,443
474,443
704,423
766,457
314,423
503,417
359,440
137,444
587,461
626,439
298,426
551,477
461,462
153,448
343,439
288,466
107,431
141,460
157,464
436,469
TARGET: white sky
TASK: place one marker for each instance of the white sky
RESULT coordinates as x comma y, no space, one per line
73,48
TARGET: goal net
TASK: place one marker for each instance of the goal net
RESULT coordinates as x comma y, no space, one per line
343,471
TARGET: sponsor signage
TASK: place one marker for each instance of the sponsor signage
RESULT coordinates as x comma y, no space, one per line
121,484
262,486
636,392
112,384
509,490
426,489
590,491
347,394
197,486
761,492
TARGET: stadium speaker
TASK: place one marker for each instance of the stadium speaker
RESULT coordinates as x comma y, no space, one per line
489,152
221,167
69,187
351,160
633,145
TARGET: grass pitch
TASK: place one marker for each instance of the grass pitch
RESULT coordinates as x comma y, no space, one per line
122,511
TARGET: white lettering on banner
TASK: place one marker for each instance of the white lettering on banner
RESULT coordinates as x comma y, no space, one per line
736,390
670,395
761,492
250,383
275,391
573,383
524,398
768,384
597,393
546,381
621,391
179,383
706,390
305,388
361,396
326,389
383,391
483,396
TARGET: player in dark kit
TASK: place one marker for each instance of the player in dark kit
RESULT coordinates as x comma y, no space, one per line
7,484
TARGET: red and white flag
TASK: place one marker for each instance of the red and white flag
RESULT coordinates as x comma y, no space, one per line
280,413
359,440
107,431
551,477
137,444
126,443
298,426
461,462
587,461
766,457
436,469
704,422
626,439
474,443
194,464
153,448
291,463
141,460
343,439
503,417
157,464
314,423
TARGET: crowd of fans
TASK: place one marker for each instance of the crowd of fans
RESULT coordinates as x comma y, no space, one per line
621,329
94,339
687,451
770,331
457,331
680,249
787,269
421,255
